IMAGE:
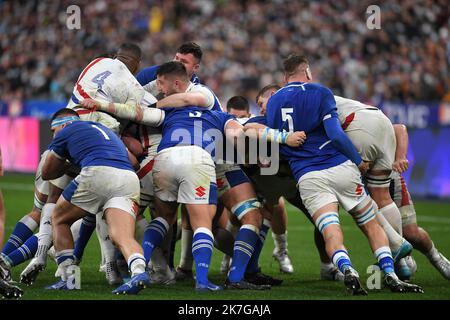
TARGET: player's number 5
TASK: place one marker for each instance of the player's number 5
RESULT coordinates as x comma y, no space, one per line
285,115
101,131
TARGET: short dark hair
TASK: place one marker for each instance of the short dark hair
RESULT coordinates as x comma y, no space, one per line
131,48
293,61
263,91
192,48
238,103
63,111
172,68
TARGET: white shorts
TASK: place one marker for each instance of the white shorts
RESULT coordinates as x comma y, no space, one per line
98,188
402,198
229,176
145,176
42,186
373,135
341,184
185,174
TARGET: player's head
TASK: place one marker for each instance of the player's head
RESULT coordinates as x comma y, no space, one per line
238,106
263,96
62,118
172,77
296,68
190,54
130,54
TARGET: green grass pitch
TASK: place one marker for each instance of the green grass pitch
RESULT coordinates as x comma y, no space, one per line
302,285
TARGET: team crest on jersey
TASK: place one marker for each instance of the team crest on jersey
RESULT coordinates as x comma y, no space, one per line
200,193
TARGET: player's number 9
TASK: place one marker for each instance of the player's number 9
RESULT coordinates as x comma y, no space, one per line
285,115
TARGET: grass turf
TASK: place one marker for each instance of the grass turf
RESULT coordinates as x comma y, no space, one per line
303,284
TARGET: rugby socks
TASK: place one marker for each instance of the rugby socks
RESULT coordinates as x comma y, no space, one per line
106,246
395,239
153,235
45,235
186,257
384,258
280,241
244,246
86,229
22,231
136,264
253,265
342,260
23,253
202,248
392,214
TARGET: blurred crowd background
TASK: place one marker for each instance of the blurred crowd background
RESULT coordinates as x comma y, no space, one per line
244,43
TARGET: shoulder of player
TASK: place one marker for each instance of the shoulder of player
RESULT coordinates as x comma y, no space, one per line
147,75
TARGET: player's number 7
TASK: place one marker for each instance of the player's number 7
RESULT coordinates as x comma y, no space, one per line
285,116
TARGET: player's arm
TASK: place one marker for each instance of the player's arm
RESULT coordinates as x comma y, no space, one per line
137,113
401,164
179,100
54,166
261,131
341,141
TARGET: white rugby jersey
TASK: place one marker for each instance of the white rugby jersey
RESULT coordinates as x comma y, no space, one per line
346,107
109,80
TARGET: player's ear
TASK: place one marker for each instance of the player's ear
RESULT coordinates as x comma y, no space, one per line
196,67
308,74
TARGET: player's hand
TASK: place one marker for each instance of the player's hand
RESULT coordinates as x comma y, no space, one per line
296,139
90,104
364,167
400,165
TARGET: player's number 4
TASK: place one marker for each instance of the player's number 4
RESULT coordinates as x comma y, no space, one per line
285,115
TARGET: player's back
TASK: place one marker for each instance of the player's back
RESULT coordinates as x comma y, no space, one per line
345,107
87,143
109,80
192,126
302,107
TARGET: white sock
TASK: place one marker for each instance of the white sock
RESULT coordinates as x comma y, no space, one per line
136,264
45,235
280,241
393,216
106,246
395,240
186,258
75,228
232,228
29,222
433,254
141,225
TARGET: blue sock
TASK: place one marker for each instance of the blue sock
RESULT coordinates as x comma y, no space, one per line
253,265
341,260
64,255
86,229
244,246
24,252
202,248
384,258
22,231
153,235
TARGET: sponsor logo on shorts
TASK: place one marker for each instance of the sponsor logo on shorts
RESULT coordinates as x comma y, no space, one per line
200,192
359,190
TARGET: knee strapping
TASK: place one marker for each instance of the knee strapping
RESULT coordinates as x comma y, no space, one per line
378,181
326,220
242,208
367,215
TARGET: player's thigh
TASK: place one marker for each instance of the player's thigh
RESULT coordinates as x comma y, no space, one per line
229,176
201,215
66,212
316,191
121,224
